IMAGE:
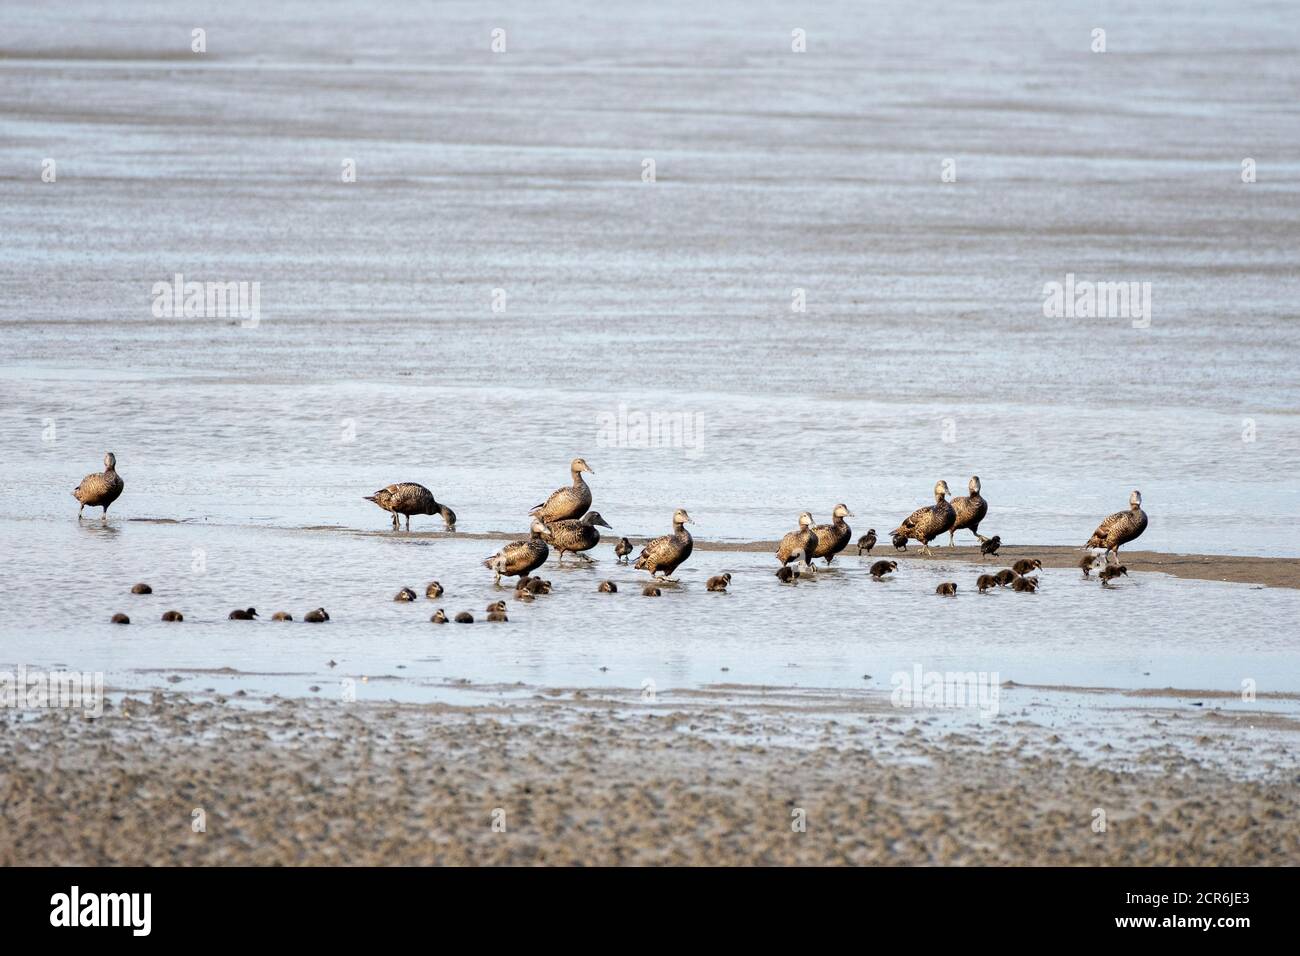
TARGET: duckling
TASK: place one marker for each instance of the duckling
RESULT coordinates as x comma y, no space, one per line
1110,572
985,582
538,586
464,617
650,590
406,594
719,582
101,489
881,568
525,596
867,542
1025,584
663,555
990,547
173,616
434,590
1087,563
947,589
119,619
1121,527
317,616
1025,565
900,542
439,617
800,544
282,616
141,588
497,617
785,574
571,501
607,587
1005,577
622,550
495,606
242,615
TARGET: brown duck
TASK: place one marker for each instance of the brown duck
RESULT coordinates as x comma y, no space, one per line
572,501
926,524
867,542
663,555
970,511
834,537
798,545
408,498
1121,527
520,557
102,489
881,568
719,582
575,535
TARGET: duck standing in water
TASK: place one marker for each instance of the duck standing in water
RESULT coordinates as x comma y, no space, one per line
100,490
408,498
1087,563
519,558
622,550
571,501
666,553
574,536
970,511
798,545
926,524
1121,527
834,537
867,542
1110,572
1025,584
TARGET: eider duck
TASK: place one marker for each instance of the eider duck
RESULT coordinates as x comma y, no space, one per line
985,581
881,568
990,547
719,582
970,510
464,617
798,545
242,614
1025,565
119,619
947,589
434,590
497,617
926,524
101,489
408,498
1087,563
834,537
571,501
282,616
173,616
575,535
607,587
318,616
1110,572
867,542
439,617
406,594
622,550
1121,527
520,557
900,542
665,554
785,574
495,606
1005,577
141,588
649,590
1025,584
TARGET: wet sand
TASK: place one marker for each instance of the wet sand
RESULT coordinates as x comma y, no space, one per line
579,781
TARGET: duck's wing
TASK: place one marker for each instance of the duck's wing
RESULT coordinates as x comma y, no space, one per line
1106,527
911,521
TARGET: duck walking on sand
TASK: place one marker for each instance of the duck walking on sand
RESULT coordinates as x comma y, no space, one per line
663,555
574,536
970,510
990,547
520,557
408,498
798,545
834,537
571,501
926,524
622,550
1121,527
867,542
899,542
100,490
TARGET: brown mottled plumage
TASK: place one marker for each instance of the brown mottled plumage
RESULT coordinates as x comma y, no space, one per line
119,619
520,557
798,545
408,498
282,616
1025,565
102,489
867,541
990,547
970,511
575,535
1025,584
881,568
719,582
406,594
1005,577
666,553
926,524
834,537
173,616
571,501
985,581
947,589
1121,527
439,617
622,550
607,587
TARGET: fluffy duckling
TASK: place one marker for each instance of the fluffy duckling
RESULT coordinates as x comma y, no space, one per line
141,588
1025,584
607,587
867,542
406,594
985,582
537,586
434,590
119,619
464,617
650,590
282,616
881,568
990,547
947,589
101,489
1110,572
497,617
1087,563
318,616
1025,565
785,574
247,614
719,582
1005,577
900,542
495,606
525,596
173,616
622,550
439,617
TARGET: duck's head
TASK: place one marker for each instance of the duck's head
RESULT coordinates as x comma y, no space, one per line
110,461
681,517
941,489
1135,499
594,518
448,517
580,465
842,511
251,612
973,486
539,527
871,531
806,520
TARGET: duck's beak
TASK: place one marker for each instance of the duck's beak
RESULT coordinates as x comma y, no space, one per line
604,524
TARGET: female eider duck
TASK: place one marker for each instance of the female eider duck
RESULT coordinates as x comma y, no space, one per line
407,498
520,557
990,547
970,511
881,568
926,524
242,614
947,589
1025,565
571,501
575,535
834,537
867,542
607,587
622,550
1121,527
666,553
100,490
798,545
173,616
719,582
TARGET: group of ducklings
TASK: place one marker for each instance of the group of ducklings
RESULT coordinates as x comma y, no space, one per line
317,616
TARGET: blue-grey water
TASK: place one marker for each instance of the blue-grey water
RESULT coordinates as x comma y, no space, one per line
500,291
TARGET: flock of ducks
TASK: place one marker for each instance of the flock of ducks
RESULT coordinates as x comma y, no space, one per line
565,522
